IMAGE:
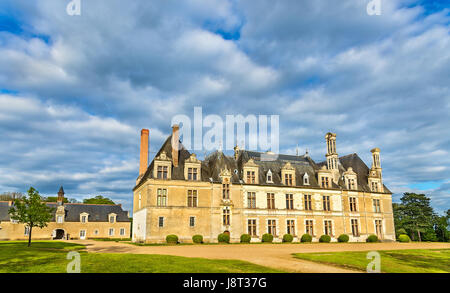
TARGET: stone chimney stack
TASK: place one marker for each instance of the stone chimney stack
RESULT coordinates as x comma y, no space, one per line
175,144
60,199
143,161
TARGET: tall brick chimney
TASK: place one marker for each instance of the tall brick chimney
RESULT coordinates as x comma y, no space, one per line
175,144
143,162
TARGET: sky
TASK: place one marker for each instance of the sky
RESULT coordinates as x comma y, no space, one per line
75,91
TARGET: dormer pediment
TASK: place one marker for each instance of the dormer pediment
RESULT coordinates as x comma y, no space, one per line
250,163
225,173
193,159
162,157
288,167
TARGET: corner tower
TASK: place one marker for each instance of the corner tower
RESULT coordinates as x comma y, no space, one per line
332,156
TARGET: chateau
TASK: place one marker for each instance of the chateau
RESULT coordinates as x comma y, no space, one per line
249,194
70,221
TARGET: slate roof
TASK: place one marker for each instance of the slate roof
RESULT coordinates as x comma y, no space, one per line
217,161
97,212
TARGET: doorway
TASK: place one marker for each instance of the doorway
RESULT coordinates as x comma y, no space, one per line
59,234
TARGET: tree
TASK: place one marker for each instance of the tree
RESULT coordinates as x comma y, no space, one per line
31,211
415,213
54,199
98,200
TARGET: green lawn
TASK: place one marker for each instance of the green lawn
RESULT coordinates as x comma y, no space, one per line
392,261
50,257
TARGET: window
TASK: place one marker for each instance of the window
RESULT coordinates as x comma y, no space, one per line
376,206
192,174
269,178
14,221
59,219
251,200
309,227
355,229
326,203
271,201
161,198
111,219
288,179
95,232
191,221
374,186
226,217
192,198
290,227
308,202
83,233
351,183
306,179
325,182
83,219
162,172
27,231
111,232
272,227
289,201
379,228
353,204
251,177
122,231
161,222
328,227
226,191
252,227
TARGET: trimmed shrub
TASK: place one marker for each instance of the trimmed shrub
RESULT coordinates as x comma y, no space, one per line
401,231
343,238
325,239
224,238
306,238
372,238
404,238
197,239
288,238
172,239
246,238
268,238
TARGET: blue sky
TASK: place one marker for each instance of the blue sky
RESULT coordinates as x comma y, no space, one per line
76,90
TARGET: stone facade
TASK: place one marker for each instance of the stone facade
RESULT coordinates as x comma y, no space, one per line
243,194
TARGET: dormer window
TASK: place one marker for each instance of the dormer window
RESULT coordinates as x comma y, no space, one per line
306,179
84,217
288,174
192,168
250,172
325,182
226,190
288,179
162,167
112,218
269,178
251,177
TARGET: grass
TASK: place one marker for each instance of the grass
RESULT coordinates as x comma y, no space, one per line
392,261
50,257
111,239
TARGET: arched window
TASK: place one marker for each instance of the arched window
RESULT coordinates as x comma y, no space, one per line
306,179
269,178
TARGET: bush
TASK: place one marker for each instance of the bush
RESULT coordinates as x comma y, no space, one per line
172,239
404,238
372,238
197,239
401,231
224,238
306,238
246,238
325,239
343,238
268,238
288,238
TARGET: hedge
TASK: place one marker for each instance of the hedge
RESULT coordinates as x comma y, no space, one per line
325,239
172,239
246,238
288,238
224,238
372,238
306,238
404,238
268,238
343,238
197,239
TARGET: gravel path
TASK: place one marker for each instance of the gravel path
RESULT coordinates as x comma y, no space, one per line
277,256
